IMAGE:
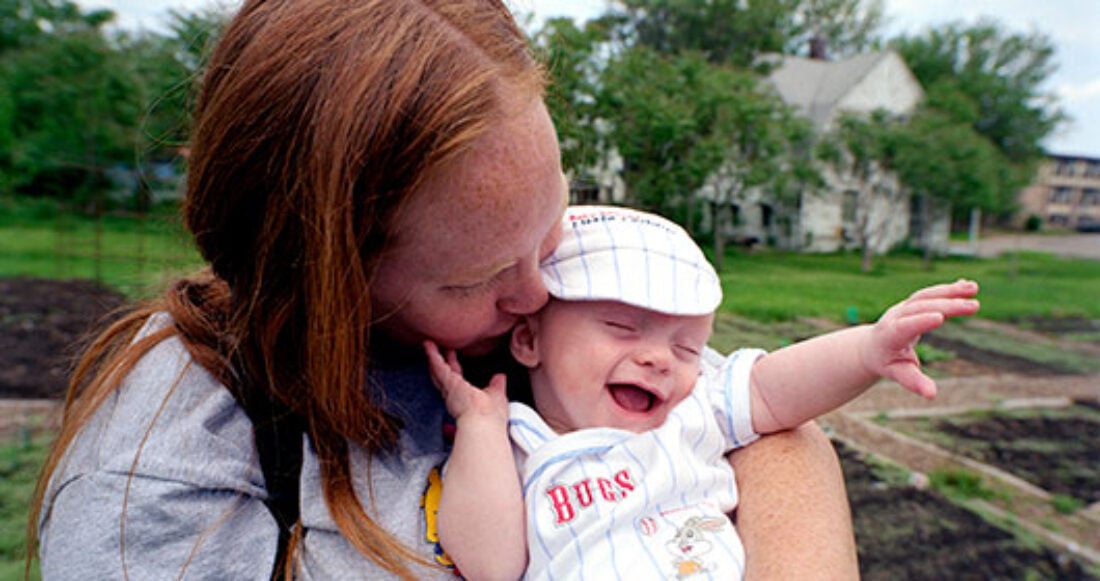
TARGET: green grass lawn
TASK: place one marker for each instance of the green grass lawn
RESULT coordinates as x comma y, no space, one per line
126,252
773,286
19,462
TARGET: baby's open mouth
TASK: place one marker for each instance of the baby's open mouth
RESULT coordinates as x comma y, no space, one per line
632,398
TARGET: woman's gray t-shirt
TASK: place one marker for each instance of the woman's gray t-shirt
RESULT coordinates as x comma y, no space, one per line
165,482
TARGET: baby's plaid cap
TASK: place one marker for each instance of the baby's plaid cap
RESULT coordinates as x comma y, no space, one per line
634,257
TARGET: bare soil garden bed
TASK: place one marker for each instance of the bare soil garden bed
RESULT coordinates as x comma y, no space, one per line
41,323
1057,450
906,533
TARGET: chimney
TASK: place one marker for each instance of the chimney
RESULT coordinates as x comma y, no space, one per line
818,48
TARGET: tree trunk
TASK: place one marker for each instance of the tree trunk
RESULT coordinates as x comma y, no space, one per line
925,224
689,219
719,238
866,259
975,224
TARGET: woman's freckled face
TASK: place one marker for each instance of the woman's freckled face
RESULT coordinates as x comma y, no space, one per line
466,265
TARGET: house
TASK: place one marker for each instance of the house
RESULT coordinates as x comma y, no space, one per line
1065,194
824,221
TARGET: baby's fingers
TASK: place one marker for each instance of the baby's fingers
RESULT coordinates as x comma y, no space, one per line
497,388
947,307
961,288
435,358
909,376
909,328
452,361
440,370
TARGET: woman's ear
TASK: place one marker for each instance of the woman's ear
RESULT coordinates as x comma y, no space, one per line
524,339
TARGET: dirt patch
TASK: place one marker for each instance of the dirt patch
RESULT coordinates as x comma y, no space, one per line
1077,327
906,533
41,324
977,361
1057,450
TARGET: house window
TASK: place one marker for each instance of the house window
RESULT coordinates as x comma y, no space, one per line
1061,196
735,214
1058,220
848,206
583,192
1091,197
767,215
1065,168
1093,170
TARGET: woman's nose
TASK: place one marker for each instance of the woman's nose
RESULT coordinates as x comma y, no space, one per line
526,296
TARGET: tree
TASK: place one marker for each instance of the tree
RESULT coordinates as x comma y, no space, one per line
863,153
570,56
72,99
724,31
662,116
737,32
764,145
990,80
169,66
77,102
843,27
947,164
25,23
76,106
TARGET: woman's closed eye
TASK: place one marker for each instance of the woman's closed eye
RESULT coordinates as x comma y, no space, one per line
474,288
464,290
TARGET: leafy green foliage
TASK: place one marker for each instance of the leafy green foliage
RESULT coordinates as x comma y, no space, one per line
985,79
961,484
929,354
20,461
569,54
863,151
723,31
735,32
665,125
1066,504
1001,74
846,27
77,101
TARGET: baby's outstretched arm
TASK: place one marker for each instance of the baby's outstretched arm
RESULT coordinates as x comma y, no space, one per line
481,513
802,381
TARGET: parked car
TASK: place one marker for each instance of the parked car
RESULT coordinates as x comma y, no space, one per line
1088,224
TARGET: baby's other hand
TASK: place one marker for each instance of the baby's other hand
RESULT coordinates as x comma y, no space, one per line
892,352
463,400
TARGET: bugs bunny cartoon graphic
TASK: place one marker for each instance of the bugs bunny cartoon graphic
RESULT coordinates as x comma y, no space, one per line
690,544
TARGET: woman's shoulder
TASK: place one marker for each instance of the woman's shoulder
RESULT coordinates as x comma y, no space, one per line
185,425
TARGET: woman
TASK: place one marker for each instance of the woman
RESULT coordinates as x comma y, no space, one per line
363,175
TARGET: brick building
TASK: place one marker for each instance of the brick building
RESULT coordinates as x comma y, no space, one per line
1066,193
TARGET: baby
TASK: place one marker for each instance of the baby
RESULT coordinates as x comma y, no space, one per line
622,469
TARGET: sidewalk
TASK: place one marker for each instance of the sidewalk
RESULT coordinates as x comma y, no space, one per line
1069,245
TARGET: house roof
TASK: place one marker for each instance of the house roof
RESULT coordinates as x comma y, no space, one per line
818,87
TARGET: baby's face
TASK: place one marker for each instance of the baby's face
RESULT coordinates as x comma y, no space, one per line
608,364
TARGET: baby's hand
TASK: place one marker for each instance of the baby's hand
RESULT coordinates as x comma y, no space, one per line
461,397
892,350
